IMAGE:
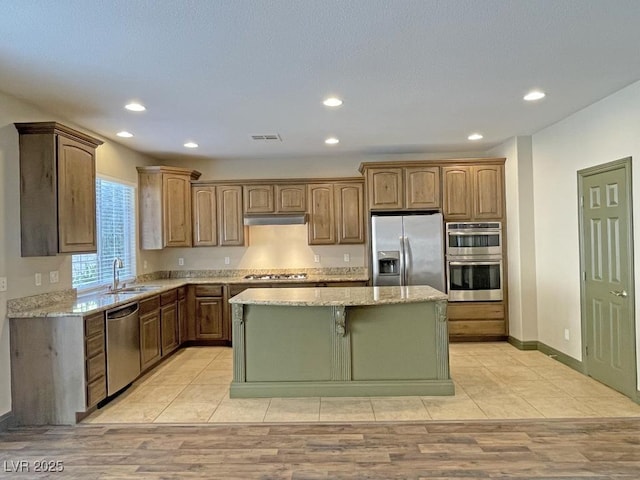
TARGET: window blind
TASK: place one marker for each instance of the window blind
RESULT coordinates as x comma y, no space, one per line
115,217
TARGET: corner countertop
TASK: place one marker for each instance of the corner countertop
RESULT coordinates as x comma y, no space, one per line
101,301
338,296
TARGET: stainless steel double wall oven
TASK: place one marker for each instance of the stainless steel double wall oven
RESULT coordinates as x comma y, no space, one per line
474,261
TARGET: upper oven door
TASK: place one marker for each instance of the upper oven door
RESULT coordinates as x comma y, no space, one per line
474,239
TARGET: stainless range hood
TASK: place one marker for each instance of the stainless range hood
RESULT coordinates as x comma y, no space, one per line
275,219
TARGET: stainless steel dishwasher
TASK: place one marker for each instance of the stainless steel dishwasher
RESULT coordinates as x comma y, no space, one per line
123,347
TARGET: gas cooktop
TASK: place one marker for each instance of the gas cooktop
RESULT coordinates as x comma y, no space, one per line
276,276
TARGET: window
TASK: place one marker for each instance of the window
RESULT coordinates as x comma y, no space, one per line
115,205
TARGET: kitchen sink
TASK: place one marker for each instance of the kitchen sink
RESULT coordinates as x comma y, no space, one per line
134,289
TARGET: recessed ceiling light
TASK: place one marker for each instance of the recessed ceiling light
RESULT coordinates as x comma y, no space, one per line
135,107
332,102
124,134
534,95
191,145
331,141
475,136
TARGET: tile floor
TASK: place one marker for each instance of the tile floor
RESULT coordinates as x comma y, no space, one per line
492,380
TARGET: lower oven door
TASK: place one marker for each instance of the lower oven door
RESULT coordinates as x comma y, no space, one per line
474,280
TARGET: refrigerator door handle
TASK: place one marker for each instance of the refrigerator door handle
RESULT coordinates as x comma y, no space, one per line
403,265
405,255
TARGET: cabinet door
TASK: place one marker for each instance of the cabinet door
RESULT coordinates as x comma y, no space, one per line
488,191
209,318
230,218
150,349
76,196
169,328
321,227
291,198
457,193
258,199
182,320
422,187
203,205
176,207
349,212
385,188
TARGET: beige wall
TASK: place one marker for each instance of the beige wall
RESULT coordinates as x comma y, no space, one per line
113,160
603,132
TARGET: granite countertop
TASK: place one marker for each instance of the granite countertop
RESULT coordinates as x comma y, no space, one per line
338,296
101,301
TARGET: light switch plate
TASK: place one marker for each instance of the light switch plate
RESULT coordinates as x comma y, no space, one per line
38,279
53,277
227,260
181,261
145,265
347,258
3,284
316,258
566,334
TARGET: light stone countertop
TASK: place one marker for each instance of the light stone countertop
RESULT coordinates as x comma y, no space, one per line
338,296
101,301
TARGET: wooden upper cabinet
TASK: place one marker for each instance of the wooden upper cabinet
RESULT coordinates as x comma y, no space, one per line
421,187
473,192
291,198
204,215
230,217
404,188
385,187
321,227
258,199
57,189
488,186
457,192
349,207
164,204
176,210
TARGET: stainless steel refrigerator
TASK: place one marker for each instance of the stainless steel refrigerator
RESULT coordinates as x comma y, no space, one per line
408,250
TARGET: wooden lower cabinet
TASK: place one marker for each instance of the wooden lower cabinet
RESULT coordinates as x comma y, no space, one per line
150,345
182,315
95,359
209,312
169,328
477,321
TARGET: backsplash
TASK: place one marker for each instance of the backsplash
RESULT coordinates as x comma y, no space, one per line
344,271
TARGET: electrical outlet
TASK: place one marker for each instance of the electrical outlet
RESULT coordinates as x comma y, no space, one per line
145,265
38,279
316,258
53,277
181,261
566,334
346,257
3,284
227,260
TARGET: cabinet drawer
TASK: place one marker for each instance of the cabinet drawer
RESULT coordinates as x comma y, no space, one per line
96,367
94,325
475,311
168,297
94,345
209,291
149,305
96,391
477,327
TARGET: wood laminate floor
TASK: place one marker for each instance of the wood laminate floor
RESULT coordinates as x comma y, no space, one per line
585,449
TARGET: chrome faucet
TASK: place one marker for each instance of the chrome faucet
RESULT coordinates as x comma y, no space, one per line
117,263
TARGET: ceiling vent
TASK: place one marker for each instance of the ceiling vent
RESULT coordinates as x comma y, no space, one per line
269,137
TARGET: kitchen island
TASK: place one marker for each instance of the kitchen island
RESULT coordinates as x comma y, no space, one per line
340,341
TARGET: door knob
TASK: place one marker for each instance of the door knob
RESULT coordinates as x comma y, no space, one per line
619,293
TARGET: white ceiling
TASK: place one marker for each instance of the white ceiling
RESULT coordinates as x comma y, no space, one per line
415,75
